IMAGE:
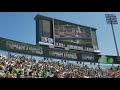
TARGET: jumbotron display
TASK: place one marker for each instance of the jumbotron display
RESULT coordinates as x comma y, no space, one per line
63,34
72,34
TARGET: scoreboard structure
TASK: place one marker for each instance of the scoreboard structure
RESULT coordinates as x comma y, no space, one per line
57,33
63,40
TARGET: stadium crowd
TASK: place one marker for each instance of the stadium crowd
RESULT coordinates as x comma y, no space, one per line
23,67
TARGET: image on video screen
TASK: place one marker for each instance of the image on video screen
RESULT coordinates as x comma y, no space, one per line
73,34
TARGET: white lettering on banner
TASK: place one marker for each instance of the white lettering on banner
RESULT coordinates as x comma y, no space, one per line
39,52
8,44
27,48
63,54
60,44
118,58
73,47
13,45
36,50
18,46
87,57
89,49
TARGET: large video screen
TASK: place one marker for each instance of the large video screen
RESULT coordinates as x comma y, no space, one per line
72,34
46,28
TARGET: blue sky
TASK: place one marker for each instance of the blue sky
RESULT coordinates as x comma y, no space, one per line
20,26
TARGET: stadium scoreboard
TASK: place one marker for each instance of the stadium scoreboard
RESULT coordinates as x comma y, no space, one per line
63,34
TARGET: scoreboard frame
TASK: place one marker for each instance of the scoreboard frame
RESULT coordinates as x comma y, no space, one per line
63,45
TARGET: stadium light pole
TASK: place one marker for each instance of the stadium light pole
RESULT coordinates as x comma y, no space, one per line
112,19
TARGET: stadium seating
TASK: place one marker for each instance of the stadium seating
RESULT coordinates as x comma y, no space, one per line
24,67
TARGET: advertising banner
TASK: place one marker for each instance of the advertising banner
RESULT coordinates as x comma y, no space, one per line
19,47
58,53
117,59
106,59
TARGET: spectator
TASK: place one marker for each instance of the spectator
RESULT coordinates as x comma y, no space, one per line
24,67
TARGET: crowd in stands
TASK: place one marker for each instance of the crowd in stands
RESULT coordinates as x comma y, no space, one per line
23,67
